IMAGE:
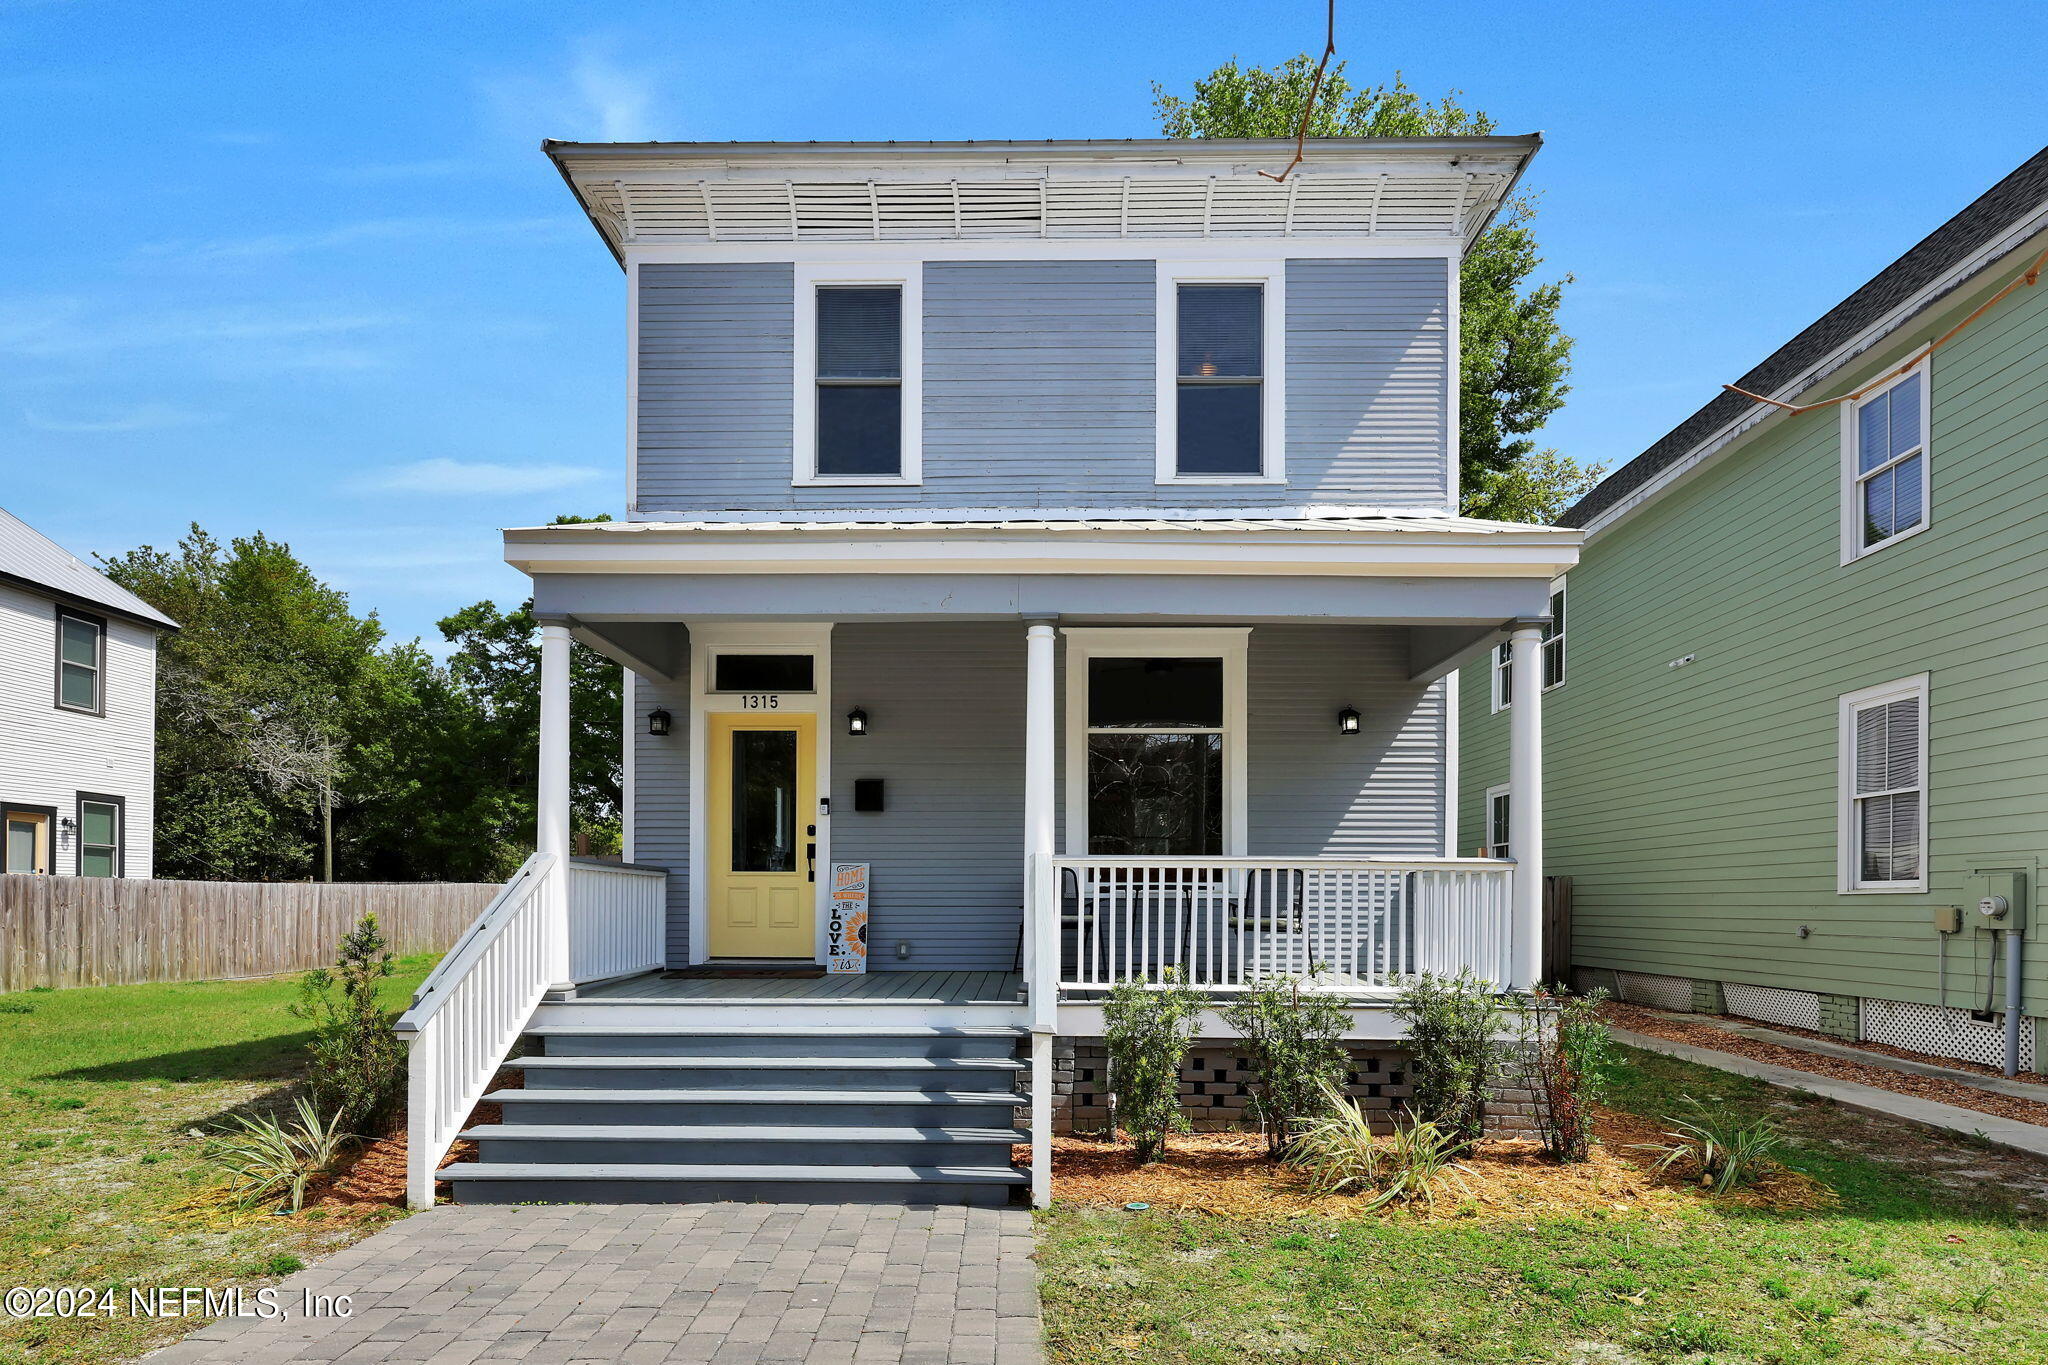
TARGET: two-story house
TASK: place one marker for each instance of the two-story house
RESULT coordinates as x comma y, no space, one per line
1041,570
1798,717
77,712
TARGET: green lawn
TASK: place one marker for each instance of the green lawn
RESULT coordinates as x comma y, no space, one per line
102,1178
1924,1259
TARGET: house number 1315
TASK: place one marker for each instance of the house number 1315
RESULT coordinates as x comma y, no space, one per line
760,701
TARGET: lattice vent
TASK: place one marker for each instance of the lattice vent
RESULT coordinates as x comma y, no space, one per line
1773,1005
1942,1031
1638,988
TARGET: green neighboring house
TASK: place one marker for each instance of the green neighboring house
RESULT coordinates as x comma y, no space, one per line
1796,723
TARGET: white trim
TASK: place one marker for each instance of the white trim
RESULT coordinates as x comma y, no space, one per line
629,696
1271,276
1452,759
632,387
909,277
1231,644
1857,348
1847,840
1498,792
757,637
1854,478
871,254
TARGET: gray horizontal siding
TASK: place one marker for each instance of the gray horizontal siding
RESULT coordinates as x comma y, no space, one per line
1314,793
1039,388
661,797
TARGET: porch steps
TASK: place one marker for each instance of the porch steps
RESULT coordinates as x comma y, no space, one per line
661,1111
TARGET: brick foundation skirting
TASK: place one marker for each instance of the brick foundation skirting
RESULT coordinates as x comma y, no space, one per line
1216,1089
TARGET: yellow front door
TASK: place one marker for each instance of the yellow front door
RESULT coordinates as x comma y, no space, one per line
761,835
28,841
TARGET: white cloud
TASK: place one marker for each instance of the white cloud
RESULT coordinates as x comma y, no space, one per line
148,417
66,328
622,100
598,98
339,235
476,478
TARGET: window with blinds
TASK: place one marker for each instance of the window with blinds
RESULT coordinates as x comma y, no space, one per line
1886,788
860,381
1220,372
1889,448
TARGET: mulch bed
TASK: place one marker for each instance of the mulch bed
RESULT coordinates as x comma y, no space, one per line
1958,1093
375,1177
1230,1175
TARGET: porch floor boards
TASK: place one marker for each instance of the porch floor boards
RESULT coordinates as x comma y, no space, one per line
921,988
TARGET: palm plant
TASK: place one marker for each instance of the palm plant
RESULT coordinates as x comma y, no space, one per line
266,1158
1726,1150
1413,1164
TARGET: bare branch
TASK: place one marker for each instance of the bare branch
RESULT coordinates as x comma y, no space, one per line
1308,110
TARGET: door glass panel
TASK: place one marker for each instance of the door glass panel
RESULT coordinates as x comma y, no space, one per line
21,846
764,801
1155,794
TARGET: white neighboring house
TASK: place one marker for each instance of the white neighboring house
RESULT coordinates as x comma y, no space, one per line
77,712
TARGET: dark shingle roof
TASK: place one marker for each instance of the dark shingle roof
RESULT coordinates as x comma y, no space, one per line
1994,212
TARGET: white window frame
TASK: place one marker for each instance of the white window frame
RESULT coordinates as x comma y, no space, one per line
1849,859
1231,644
810,276
1503,792
1271,276
1500,673
1553,633
1853,479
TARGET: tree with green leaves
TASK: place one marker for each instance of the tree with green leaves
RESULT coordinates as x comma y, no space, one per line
1516,358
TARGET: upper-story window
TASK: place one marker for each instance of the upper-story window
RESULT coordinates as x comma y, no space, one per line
81,662
1220,347
859,377
1503,670
1884,465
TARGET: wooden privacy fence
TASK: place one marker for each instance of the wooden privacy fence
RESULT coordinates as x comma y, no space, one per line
104,931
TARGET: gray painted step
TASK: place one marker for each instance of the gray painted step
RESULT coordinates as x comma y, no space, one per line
548,1183
773,1108
771,1073
741,1144
597,1040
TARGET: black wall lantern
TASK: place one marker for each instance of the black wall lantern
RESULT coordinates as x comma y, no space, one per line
1347,721
856,722
657,722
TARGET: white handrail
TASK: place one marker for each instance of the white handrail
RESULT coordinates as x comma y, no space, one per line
617,918
468,1013
1222,923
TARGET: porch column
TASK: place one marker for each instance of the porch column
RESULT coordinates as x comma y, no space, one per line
1525,802
551,832
1041,935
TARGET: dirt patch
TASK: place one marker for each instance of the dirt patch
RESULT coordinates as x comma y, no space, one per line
1230,1175
1957,1093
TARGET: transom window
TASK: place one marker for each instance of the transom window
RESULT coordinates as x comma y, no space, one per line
1885,461
1155,756
763,673
1884,788
860,381
1219,388
99,836
81,660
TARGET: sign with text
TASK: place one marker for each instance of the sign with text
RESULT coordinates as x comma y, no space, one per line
846,931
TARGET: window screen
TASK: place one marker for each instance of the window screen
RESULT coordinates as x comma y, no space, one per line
1220,367
762,673
1887,791
860,380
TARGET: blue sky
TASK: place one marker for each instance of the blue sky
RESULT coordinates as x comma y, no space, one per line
294,267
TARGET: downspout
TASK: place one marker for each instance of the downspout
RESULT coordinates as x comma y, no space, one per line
2013,1020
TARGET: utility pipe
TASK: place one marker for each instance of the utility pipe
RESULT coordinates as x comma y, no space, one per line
2013,1018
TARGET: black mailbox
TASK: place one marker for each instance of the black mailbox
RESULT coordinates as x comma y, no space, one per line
867,793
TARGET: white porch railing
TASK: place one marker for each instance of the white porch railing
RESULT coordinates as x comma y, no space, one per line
469,1011
1222,923
618,914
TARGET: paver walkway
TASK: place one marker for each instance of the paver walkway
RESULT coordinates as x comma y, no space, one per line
639,1284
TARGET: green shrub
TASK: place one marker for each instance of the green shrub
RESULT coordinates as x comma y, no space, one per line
1723,1149
1291,1045
1413,1164
1146,1031
358,1071
1565,1056
266,1158
1454,1027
